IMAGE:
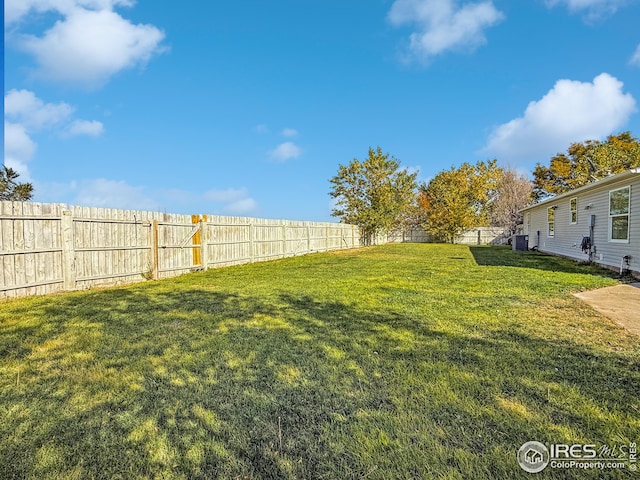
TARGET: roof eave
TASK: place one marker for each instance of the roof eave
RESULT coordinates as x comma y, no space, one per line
604,181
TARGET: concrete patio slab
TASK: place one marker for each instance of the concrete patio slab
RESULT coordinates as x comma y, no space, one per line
620,303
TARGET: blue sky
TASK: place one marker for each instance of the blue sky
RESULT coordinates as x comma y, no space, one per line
248,107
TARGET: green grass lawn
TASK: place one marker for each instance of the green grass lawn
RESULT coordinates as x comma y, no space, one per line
390,362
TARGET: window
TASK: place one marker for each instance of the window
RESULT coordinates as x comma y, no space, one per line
574,210
551,215
619,203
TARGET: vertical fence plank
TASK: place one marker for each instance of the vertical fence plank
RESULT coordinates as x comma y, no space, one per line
68,253
154,249
204,240
252,236
283,231
28,235
8,261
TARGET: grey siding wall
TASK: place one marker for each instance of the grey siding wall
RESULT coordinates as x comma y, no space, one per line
568,237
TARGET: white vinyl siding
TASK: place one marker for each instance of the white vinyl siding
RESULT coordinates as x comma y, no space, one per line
568,237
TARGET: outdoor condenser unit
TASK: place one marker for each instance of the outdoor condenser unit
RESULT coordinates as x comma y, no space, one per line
520,243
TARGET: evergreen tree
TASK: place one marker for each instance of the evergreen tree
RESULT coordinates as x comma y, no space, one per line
10,189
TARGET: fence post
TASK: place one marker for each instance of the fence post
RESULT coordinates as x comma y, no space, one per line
204,238
308,239
68,251
154,250
196,240
479,237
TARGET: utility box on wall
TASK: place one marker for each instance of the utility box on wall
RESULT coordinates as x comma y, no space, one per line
520,243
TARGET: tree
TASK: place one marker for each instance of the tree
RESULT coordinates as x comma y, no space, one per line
584,163
458,199
375,194
10,189
513,193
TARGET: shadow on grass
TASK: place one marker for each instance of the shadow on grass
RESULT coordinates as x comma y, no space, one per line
505,257
154,383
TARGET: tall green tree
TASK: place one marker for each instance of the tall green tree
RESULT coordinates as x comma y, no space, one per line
584,163
376,194
11,189
458,199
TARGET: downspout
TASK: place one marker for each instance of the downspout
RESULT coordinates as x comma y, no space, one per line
591,246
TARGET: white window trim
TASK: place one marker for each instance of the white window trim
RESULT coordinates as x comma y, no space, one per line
572,211
628,215
549,234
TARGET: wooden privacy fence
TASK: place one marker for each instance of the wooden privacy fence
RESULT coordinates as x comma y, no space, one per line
46,248
473,236
483,236
409,235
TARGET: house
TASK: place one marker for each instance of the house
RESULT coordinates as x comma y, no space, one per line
599,222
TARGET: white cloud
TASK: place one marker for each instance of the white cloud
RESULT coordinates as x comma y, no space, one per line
241,207
26,115
571,111
232,201
54,192
443,25
289,132
88,47
635,58
285,151
262,128
592,8
18,148
24,106
113,194
16,10
85,127
108,193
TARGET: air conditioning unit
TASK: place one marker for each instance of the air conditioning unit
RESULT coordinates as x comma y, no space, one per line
520,243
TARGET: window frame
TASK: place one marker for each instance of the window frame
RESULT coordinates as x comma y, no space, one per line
611,216
551,222
573,210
